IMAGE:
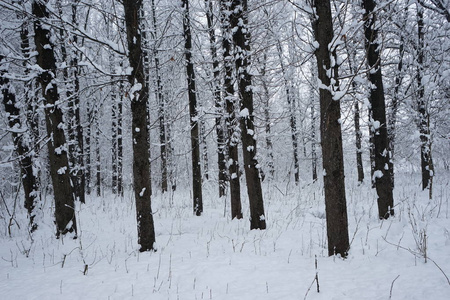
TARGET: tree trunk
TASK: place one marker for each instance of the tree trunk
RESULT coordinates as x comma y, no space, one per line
356,118
267,127
382,176
241,40
88,148
195,135
424,117
392,120
24,153
75,131
161,106
231,120
140,131
292,118
312,96
331,136
57,146
120,141
218,102
98,164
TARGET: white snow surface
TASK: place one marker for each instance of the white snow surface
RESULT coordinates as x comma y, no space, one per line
213,257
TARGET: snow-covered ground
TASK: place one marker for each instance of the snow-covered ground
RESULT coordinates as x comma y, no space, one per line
212,257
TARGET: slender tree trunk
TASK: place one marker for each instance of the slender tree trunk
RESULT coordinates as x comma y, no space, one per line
202,137
24,153
269,144
312,98
231,120
140,131
98,164
79,155
292,118
161,105
395,103
88,150
114,138
358,139
218,102
424,117
75,131
241,40
195,135
382,176
59,163
356,118
331,136
120,141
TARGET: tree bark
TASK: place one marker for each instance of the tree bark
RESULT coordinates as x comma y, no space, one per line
267,127
140,131
195,134
218,102
426,160
24,153
57,146
331,136
312,96
161,106
241,41
231,120
382,176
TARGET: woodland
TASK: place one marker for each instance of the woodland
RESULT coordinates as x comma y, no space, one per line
225,149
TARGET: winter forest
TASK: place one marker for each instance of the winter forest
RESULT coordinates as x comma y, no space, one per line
225,149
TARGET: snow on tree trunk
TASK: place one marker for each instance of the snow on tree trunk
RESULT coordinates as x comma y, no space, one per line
378,126
330,129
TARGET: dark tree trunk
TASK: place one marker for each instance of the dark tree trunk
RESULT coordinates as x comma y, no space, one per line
331,136
426,160
79,155
161,106
29,180
241,40
382,176
98,164
75,131
120,141
195,135
114,159
358,139
218,103
231,120
140,131
88,150
59,163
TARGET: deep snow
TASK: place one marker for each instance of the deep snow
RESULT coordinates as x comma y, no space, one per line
212,257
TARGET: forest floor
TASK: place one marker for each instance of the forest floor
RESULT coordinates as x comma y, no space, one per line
213,257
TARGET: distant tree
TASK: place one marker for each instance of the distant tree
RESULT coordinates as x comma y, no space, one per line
330,129
193,113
